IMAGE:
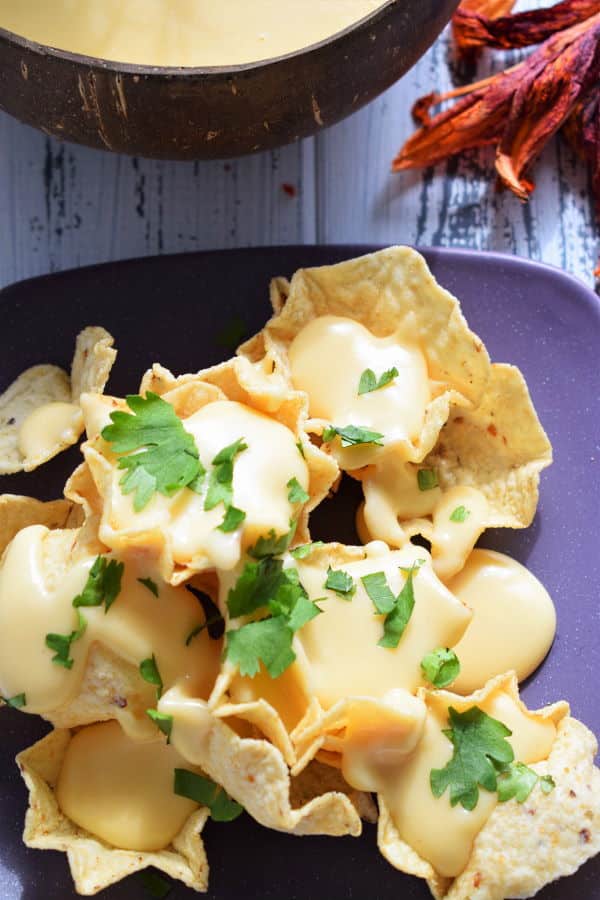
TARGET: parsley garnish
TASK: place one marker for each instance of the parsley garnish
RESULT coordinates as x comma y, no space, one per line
547,784
305,550
168,459
220,484
157,886
61,643
205,792
103,584
480,751
149,672
369,381
460,514
440,667
340,582
427,479
233,519
352,435
17,702
273,544
397,610
151,585
267,585
517,781
296,493
162,721
300,448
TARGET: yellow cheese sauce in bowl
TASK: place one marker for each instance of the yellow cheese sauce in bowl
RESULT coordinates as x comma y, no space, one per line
203,79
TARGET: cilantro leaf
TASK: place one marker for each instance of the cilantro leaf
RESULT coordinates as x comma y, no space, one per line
149,672
273,544
397,610
61,643
296,493
151,585
440,667
379,592
220,483
460,514
162,721
517,781
300,448
305,550
103,584
339,581
154,884
168,459
352,435
205,792
369,381
480,748
268,641
427,479
547,784
16,702
233,519
258,583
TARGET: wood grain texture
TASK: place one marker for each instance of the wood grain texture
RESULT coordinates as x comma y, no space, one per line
62,205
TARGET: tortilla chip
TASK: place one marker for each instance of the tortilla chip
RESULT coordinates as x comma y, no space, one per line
318,778
403,857
236,380
45,384
17,512
95,864
384,291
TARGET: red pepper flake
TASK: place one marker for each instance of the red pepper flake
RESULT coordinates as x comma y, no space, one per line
585,835
289,189
492,430
477,879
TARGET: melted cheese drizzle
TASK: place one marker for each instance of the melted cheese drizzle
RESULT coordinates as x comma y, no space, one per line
327,359
341,645
452,541
260,477
48,426
514,620
181,32
122,790
38,582
440,833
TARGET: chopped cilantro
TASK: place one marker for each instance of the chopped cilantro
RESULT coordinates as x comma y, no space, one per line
168,459
480,750
296,493
397,610
300,448
268,641
103,584
427,479
352,435
162,721
517,781
369,381
61,643
273,544
220,483
547,784
460,514
340,582
155,885
17,702
149,672
205,792
151,585
305,550
233,519
440,667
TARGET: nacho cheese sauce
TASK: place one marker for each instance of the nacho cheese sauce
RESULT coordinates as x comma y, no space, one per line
122,790
47,426
514,620
36,600
260,477
440,833
181,32
341,644
327,358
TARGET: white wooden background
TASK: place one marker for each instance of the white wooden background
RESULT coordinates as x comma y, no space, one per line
63,206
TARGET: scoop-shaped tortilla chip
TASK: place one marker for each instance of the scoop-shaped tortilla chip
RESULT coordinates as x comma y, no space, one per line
95,864
17,512
387,292
39,411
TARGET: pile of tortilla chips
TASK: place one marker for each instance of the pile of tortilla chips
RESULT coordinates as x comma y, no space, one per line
282,762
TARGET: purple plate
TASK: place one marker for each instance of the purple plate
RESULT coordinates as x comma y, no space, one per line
177,310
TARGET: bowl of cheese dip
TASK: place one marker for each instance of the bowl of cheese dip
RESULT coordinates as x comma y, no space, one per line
194,79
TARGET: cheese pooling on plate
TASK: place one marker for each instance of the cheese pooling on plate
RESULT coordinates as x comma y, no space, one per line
182,32
199,652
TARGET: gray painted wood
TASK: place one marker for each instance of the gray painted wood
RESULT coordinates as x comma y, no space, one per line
63,206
